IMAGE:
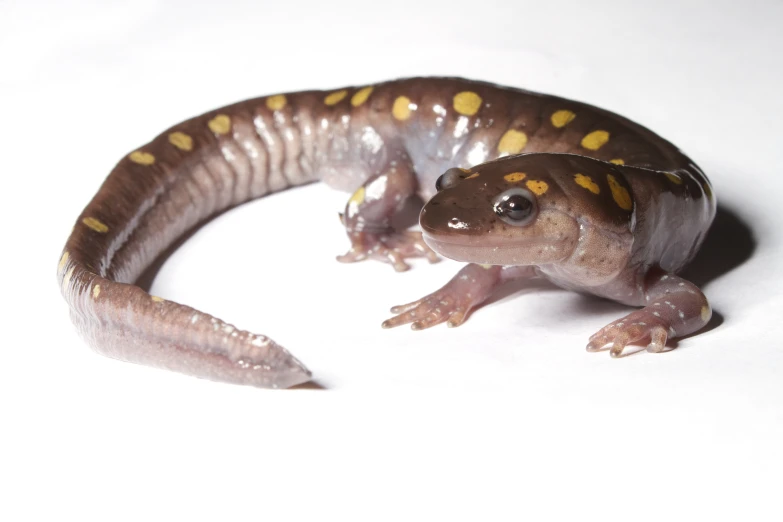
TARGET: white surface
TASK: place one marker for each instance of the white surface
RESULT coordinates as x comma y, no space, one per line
506,417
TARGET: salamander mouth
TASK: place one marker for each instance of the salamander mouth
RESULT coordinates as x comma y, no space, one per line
479,249
541,243
463,249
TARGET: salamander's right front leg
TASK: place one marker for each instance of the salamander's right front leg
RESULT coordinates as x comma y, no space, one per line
468,289
368,216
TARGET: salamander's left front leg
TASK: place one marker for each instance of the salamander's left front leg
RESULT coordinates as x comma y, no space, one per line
368,216
676,308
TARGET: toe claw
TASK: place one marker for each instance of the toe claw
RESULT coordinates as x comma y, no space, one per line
401,266
352,256
594,345
456,319
399,320
403,308
658,337
616,350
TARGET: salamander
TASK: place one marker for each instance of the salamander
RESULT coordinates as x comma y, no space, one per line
518,184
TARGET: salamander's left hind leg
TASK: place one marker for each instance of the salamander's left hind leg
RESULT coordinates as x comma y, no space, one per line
675,308
368,217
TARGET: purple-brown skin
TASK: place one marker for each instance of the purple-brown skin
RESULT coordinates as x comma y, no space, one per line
610,209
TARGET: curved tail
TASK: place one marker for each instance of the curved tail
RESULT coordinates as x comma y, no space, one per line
187,174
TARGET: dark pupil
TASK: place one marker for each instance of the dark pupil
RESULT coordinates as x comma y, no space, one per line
516,207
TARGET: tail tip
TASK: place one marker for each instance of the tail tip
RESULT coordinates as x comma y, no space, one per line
293,377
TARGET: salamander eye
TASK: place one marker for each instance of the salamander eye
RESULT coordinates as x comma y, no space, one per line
516,207
451,178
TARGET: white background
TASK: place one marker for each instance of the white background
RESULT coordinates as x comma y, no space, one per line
506,417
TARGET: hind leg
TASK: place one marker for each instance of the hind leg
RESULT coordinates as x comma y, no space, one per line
368,217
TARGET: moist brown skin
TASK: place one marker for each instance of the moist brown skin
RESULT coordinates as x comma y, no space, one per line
391,140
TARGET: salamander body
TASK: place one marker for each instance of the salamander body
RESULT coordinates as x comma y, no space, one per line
519,184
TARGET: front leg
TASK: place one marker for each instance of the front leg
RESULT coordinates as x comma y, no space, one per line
469,288
368,217
676,308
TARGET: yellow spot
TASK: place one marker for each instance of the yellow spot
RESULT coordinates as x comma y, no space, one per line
674,178
617,161
335,97
619,193
358,197
474,175
96,291
586,182
95,224
467,103
486,267
705,313
157,299
276,102
220,124
402,108
515,176
537,187
512,142
63,261
595,140
562,118
67,278
141,157
361,96
181,140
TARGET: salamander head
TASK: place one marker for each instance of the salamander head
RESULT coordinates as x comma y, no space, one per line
525,210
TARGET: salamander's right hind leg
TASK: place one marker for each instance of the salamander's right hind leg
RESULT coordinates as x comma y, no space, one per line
368,217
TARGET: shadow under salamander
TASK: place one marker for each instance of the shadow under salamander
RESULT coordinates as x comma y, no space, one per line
729,243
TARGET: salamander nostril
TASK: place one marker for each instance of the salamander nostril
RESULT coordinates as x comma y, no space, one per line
450,178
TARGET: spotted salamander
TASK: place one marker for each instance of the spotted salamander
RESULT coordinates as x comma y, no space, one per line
534,186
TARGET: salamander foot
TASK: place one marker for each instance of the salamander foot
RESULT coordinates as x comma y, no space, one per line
639,326
392,247
450,304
